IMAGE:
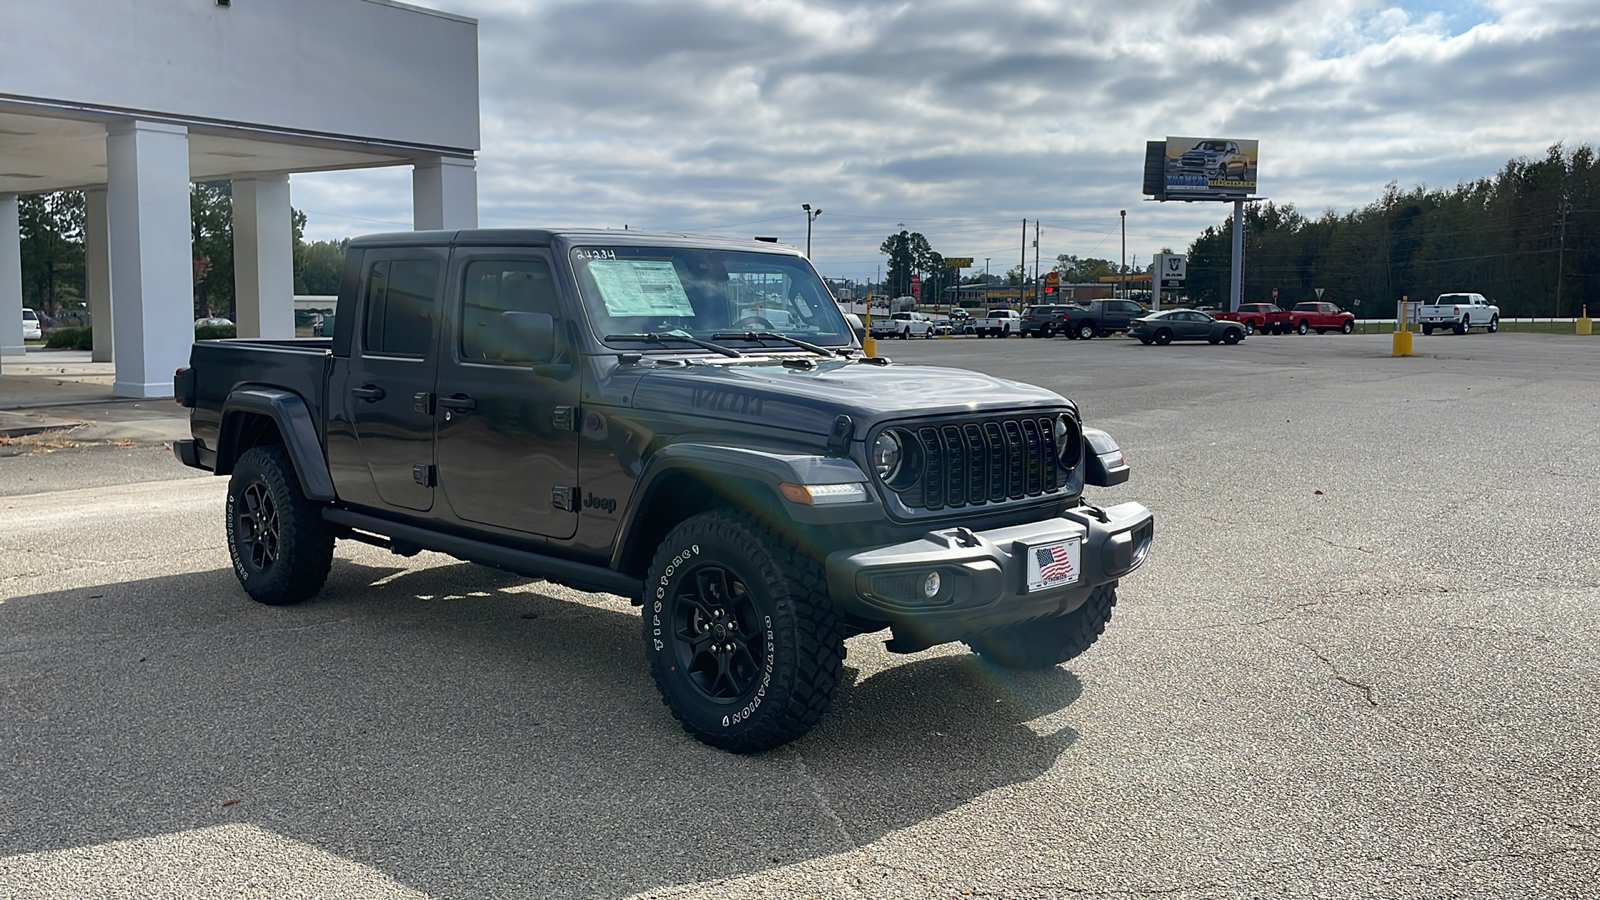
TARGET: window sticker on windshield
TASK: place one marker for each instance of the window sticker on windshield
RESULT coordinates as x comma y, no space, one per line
640,287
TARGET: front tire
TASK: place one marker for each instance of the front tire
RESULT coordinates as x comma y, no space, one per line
1164,336
280,546
1348,326
1494,324
1232,336
1043,644
740,634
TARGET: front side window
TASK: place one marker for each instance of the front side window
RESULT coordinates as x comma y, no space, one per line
495,291
706,294
399,306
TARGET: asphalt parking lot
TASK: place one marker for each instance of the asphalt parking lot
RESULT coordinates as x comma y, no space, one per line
1363,660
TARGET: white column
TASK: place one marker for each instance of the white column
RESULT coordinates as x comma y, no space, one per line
444,193
263,258
10,278
152,269
97,249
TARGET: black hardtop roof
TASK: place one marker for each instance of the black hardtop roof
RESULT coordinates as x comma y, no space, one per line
542,237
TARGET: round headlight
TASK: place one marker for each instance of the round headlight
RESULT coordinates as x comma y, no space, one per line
886,455
1069,441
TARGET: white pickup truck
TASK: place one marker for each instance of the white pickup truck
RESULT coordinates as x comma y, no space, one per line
903,325
999,322
1461,312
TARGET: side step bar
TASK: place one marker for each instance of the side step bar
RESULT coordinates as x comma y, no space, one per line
578,575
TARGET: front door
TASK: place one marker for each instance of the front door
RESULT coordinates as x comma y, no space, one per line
508,411
380,400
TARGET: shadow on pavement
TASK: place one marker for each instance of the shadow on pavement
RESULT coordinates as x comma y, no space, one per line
463,733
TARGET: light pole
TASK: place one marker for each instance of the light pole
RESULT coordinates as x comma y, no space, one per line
811,216
1124,215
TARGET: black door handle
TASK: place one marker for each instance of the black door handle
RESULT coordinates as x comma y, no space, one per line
459,403
368,392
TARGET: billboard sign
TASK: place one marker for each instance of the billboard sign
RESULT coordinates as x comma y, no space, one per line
1209,168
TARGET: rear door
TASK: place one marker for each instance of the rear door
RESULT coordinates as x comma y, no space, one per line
380,399
507,414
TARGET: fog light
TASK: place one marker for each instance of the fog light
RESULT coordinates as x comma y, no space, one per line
930,585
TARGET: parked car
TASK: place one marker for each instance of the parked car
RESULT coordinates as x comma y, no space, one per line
211,321
942,325
761,495
1267,318
961,322
903,325
1097,317
1170,325
1462,312
1321,317
30,325
1044,321
1001,323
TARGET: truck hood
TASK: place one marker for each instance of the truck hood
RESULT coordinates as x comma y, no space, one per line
811,399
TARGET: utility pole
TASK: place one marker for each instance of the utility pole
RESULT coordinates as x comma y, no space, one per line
1036,296
1561,255
1124,215
1022,267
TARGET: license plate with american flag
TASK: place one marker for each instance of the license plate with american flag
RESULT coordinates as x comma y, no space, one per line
1054,564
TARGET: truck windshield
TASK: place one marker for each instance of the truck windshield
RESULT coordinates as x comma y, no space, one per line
704,292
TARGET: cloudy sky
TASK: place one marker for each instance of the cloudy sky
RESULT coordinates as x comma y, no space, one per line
961,119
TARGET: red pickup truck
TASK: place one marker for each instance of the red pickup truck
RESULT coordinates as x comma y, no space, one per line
1267,318
1323,317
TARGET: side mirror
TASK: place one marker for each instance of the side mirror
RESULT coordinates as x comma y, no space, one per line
532,336
1107,466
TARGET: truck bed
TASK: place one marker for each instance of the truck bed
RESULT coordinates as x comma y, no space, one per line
298,365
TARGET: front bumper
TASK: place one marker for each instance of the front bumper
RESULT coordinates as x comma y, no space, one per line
983,576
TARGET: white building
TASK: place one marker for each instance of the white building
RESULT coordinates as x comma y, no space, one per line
131,100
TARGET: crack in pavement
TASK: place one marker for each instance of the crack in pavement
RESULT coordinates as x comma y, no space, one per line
1365,689
823,804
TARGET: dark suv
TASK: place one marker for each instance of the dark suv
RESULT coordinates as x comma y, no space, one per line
688,423
1044,321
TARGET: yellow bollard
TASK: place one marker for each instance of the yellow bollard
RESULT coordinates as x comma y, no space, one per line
1402,333
1585,326
869,344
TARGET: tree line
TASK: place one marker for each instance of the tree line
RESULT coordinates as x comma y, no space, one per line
54,263
1525,238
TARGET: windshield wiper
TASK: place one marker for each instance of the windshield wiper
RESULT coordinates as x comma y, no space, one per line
773,336
663,339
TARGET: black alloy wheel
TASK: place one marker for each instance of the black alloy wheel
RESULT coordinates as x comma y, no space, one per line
1232,336
740,633
280,546
1164,336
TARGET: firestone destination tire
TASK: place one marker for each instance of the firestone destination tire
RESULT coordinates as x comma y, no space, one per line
280,546
740,634
1041,644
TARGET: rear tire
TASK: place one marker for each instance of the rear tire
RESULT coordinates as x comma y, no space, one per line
280,546
1249,328
1463,326
1303,327
1087,331
1045,643
740,634
1427,329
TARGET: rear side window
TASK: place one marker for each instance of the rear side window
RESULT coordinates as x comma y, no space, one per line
400,305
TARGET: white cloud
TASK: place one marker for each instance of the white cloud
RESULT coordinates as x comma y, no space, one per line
959,119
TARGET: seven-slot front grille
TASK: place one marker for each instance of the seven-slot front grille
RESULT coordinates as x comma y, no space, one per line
980,461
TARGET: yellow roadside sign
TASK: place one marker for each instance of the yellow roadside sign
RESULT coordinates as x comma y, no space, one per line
958,262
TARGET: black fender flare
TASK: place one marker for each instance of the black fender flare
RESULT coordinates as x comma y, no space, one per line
768,469
293,419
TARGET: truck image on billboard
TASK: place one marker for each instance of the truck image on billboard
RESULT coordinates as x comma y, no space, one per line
1209,168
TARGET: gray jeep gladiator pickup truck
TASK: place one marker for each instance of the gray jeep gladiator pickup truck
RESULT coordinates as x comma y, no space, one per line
686,422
